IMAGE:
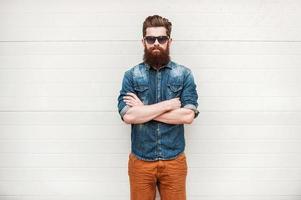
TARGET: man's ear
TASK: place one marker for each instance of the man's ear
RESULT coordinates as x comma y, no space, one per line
170,41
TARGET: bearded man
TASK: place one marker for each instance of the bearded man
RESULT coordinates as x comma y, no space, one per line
158,96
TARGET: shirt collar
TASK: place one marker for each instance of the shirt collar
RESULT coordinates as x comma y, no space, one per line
169,65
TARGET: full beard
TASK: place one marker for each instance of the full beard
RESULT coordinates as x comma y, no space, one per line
156,59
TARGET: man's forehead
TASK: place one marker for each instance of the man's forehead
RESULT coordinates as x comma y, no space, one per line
156,31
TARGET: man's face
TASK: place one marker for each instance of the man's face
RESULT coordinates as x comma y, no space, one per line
156,53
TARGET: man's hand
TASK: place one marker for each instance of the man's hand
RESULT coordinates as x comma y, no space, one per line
174,103
132,100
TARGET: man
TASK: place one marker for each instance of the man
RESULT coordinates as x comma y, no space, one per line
157,98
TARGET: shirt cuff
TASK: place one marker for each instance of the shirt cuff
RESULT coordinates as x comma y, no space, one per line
192,107
124,110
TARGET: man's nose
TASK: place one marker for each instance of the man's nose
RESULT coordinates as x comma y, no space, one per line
156,42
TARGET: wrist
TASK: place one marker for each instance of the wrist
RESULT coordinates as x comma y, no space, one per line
166,105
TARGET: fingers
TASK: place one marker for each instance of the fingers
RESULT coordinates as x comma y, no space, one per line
132,95
133,102
129,103
131,99
128,98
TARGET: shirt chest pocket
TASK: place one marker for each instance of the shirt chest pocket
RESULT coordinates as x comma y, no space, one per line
174,90
142,92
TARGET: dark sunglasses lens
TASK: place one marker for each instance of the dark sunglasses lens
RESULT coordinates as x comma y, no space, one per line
162,39
150,40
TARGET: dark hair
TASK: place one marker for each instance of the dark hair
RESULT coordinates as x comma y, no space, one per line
156,21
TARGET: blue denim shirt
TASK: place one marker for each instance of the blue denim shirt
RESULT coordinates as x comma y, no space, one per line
154,140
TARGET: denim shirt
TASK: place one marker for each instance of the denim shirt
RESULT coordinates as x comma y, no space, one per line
154,140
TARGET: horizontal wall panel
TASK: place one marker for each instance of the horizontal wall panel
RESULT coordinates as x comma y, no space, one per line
264,18
134,33
68,48
105,174
109,104
178,6
113,118
251,161
87,90
197,132
119,146
120,63
112,74
204,188
122,197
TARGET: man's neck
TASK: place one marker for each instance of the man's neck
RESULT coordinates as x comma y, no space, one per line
158,67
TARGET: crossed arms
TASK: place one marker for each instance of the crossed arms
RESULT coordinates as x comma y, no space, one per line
168,111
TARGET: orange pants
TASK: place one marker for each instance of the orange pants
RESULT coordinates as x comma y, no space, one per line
168,175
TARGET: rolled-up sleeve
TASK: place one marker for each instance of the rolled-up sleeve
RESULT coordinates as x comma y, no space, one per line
189,96
127,86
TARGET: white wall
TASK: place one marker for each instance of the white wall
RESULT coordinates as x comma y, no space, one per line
61,66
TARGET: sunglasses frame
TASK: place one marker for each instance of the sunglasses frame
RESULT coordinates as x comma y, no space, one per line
158,38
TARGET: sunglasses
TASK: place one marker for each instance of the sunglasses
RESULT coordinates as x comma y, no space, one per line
152,39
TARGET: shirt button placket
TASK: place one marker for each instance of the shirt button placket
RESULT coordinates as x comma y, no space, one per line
158,100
